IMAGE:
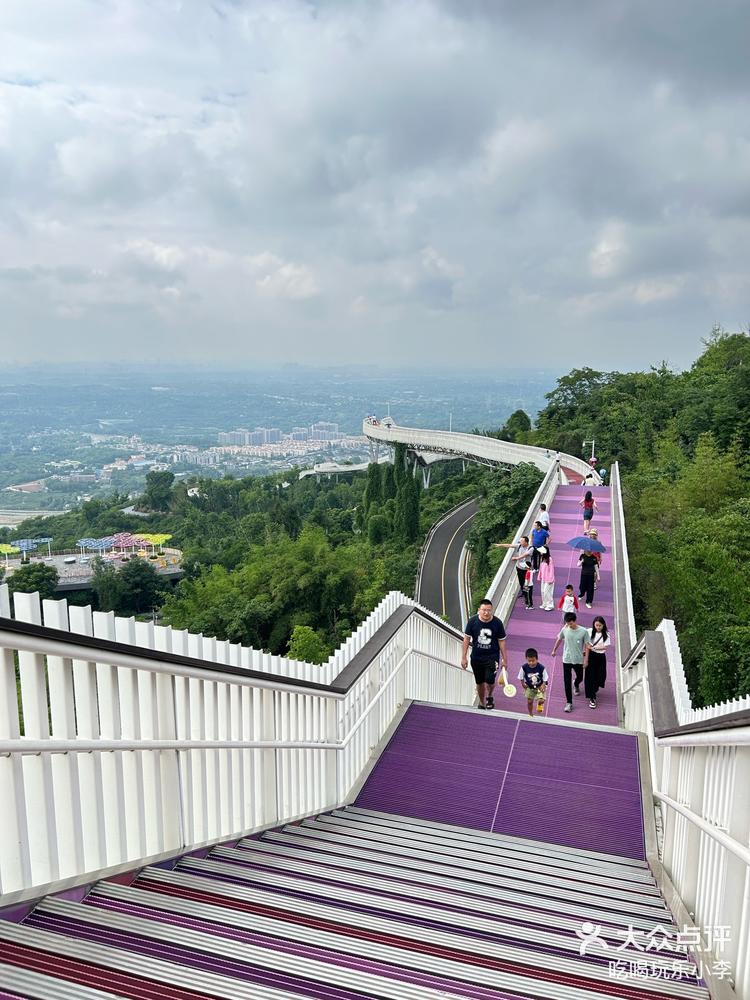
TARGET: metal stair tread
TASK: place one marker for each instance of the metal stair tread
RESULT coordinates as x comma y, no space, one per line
341,891
406,867
456,940
359,876
216,944
413,826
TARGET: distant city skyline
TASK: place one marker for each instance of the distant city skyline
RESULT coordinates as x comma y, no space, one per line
435,183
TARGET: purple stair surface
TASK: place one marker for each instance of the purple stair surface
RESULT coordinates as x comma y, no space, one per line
561,784
539,628
426,920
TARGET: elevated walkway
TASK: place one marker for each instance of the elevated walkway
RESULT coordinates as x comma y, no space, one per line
474,447
539,628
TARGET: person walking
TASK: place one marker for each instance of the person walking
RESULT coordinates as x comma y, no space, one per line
543,517
486,635
589,506
595,660
534,680
522,558
574,638
539,537
589,563
546,580
568,601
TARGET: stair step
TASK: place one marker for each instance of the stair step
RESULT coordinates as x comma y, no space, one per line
321,924
442,833
402,854
351,894
119,971
533,878
234,953
562,938
448,891
37,986
392,845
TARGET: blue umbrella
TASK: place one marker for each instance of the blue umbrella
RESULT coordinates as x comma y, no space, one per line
586,543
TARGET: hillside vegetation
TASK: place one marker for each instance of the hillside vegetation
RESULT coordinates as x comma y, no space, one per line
291,566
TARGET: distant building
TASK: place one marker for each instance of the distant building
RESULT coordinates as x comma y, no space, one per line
324,430
35,486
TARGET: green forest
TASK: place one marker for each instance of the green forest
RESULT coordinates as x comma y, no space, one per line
293,566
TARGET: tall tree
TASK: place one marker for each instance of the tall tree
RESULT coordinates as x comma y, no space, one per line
387,482
108,586
372,488
158,490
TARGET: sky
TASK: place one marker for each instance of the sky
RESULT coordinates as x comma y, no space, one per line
481,183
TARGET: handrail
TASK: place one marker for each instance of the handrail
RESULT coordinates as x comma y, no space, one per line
734,846
625,633
26,747
32,638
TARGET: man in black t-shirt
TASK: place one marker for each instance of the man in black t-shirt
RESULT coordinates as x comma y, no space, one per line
486,634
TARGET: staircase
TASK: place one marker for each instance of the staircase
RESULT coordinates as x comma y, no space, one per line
353,904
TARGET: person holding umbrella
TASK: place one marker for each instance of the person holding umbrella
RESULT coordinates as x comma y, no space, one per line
589,563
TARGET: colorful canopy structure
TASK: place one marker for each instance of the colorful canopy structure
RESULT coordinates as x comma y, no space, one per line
125,540
154,540
8,550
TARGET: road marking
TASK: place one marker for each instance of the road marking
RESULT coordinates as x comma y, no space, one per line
445,557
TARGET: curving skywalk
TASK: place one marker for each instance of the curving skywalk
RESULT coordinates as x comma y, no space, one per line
474,447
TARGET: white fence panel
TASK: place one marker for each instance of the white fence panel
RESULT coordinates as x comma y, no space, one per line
121,756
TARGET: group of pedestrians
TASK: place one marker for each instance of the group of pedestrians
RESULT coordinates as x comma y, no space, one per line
584,659
533,560
584,653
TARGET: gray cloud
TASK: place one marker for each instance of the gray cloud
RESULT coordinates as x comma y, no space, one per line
256,180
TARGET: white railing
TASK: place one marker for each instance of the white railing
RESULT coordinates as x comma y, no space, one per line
112,757
475,446
503,590
701,788
625,631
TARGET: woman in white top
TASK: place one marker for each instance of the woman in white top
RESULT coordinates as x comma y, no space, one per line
522,558
595,660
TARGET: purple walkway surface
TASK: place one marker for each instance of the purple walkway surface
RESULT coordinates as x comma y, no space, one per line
561,784
539,628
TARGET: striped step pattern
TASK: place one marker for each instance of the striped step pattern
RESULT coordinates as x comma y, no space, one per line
356,904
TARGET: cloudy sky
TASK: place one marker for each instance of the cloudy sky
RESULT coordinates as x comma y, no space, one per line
453,182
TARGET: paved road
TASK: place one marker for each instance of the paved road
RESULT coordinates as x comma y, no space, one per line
437,587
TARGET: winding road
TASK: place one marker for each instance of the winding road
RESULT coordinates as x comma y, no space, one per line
438,581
